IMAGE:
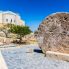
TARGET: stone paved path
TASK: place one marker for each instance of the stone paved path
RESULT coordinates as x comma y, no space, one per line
24,58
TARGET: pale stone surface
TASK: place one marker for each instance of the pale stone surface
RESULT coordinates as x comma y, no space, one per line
53,33
2,62
57,55
18,58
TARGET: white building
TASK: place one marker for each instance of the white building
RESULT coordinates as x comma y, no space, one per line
10,17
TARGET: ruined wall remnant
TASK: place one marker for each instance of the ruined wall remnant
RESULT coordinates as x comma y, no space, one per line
53,33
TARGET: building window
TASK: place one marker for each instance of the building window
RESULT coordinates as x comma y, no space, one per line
6,20
11,20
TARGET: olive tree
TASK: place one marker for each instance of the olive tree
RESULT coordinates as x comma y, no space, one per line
21,31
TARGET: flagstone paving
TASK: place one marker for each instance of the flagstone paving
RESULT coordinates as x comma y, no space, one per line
30,57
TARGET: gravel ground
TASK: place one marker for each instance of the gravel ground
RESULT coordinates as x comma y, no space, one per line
24,58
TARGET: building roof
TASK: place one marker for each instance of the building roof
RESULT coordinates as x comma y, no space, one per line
9,12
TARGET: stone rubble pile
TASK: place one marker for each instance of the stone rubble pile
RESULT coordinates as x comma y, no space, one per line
53,33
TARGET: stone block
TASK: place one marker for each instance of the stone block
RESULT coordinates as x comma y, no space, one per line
57,55
53,33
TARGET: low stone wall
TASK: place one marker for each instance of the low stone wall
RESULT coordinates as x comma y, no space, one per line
57,55
2,62
4,40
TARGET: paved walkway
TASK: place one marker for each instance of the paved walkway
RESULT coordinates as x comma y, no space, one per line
30,57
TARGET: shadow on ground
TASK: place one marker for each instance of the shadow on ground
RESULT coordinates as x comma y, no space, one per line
38,51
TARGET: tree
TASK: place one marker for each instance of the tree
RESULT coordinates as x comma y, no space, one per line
5,30
20,30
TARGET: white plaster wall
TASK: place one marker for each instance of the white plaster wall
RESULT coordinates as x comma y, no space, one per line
18,20
9,17
6,17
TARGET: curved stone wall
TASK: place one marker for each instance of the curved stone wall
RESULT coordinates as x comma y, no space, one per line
53,33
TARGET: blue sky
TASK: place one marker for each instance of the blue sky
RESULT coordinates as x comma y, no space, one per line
34,11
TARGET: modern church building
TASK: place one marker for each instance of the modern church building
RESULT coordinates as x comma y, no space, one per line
10,17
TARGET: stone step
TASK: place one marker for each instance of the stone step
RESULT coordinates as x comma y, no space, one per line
57,55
